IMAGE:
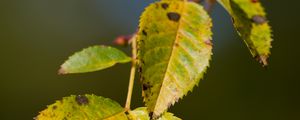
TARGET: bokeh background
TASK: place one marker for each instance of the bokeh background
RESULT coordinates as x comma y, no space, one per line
36,36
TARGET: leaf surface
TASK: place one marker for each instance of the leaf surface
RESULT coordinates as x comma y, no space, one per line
142,114
250,21
174,49
92,59
85,107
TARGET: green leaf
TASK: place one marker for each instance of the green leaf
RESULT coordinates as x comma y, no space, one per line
92,59
142,114
250,21
85,107
174,49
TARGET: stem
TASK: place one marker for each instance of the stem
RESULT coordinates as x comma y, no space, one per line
209,4
132,73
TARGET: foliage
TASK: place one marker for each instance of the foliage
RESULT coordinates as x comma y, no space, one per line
83,107
171,50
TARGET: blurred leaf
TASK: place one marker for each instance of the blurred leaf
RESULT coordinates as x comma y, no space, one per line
86,107
93,59
174,49
142,114
250,21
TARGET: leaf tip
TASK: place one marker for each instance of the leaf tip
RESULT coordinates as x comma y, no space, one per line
263,59
62,71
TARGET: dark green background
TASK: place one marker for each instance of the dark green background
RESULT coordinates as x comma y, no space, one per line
36,36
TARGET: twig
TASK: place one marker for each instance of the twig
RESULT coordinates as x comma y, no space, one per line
132,73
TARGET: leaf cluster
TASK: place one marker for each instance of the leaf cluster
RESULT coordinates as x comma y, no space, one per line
171,51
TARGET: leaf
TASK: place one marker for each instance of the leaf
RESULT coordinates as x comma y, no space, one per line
250,21
142,114
85,107
174,49
92,59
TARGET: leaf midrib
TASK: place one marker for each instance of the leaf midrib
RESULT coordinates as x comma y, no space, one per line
172,52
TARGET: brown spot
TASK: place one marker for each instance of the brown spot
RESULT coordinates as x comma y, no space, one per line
263,60
144,32
173,16
145,87
151,115
165,6
176,44
54,107
82,100
61,71
232,19
208,42
140,69
259,19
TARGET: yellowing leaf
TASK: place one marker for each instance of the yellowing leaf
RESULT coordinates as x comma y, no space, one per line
251,23
93,59
85,107
142,114
174,49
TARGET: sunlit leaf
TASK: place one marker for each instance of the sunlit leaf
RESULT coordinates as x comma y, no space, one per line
174,49
93,59
250,21
84,107
142,114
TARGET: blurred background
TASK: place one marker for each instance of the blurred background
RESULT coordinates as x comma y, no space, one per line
36,36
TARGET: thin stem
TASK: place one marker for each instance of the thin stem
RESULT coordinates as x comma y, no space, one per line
209,4
132,74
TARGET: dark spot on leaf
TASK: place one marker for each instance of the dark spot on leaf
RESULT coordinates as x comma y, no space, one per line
82,100
151,115
259,19
156,5
140,69
146,87
176,44
165,5
232,19
173,16
54,107
144,32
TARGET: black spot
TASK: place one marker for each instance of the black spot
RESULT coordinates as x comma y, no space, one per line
54,107
140,69
259,19
82,100
144,32
173,16
151,115
165,6
232,19
145,87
